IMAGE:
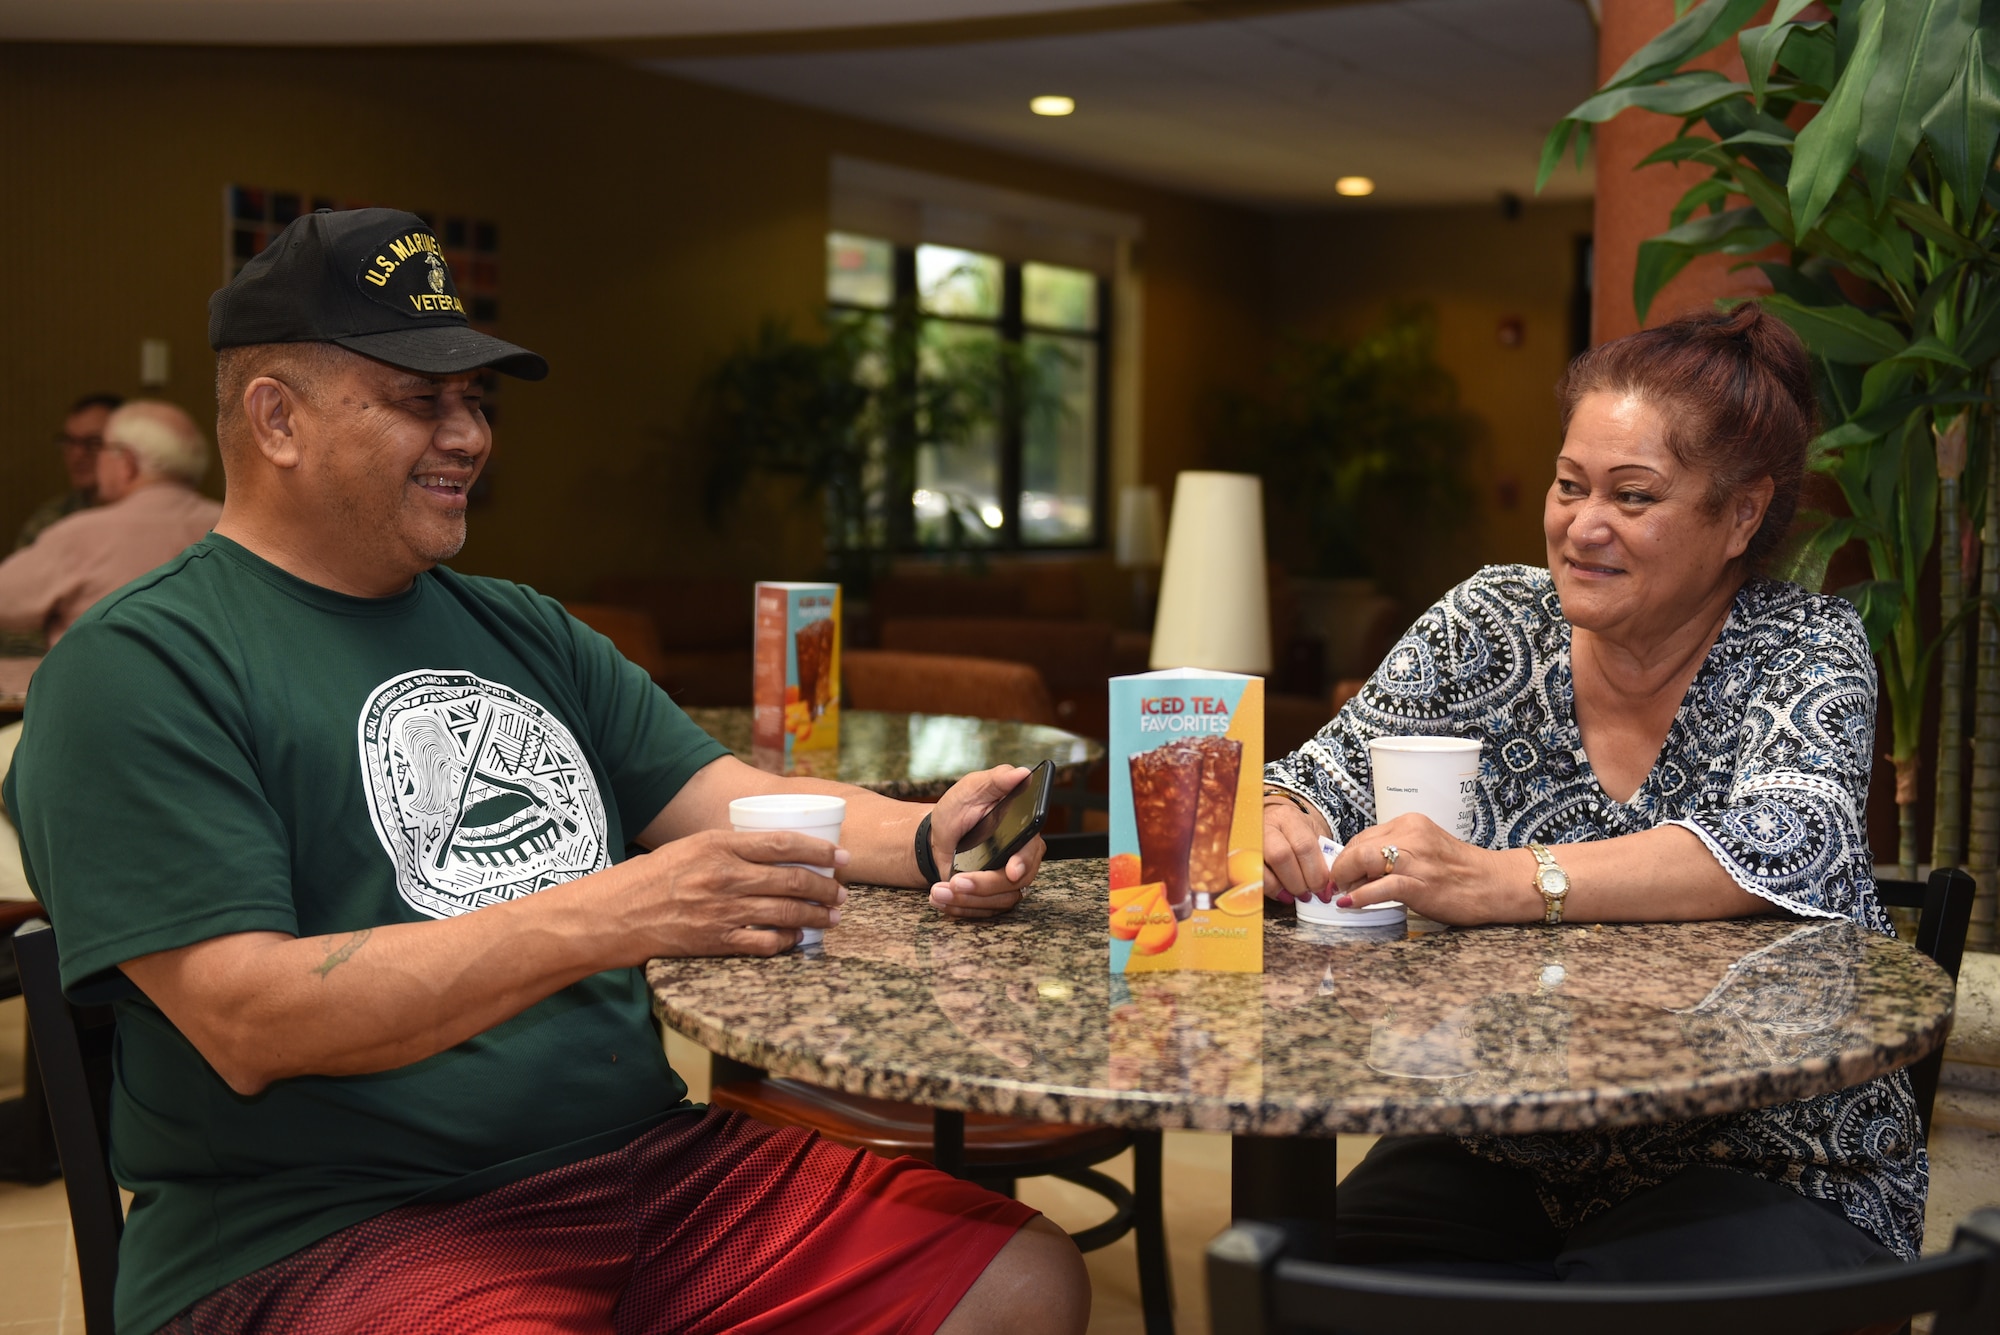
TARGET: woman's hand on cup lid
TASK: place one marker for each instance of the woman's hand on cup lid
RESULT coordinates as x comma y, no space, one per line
1293,866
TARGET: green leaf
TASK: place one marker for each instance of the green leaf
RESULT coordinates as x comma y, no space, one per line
1918,494
1760,46
1839,333
1890,248
1678,150
1928,223
1942,285
1817,537
1686,94
1828,145
1799,285
1964,126
1735,232
1880,602
1552,150
1811,55
1842,438
1702,194
1979,337
1885,382
1705,27
1930,349
1767,196
1922,51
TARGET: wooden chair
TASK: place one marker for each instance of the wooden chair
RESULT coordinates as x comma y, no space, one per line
1255,1289
1944,915
630,629
920,683
1074,657
73,1050
993,1151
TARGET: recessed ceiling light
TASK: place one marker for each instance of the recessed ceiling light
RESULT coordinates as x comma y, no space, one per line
1051,104
1354,185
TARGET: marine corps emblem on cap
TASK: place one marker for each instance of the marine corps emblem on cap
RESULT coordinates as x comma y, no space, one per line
397,275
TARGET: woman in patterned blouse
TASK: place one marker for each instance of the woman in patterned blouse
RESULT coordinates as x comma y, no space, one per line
1690,740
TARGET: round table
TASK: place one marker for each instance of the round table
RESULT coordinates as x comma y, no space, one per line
1497,1029
911,756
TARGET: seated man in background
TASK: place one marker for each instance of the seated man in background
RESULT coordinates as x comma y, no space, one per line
360,829
82,434
79,440
152,458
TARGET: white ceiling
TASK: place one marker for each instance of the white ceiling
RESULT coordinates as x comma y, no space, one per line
391,22
1439,101
1264,102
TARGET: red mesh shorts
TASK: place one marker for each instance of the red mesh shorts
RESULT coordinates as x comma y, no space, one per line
711,1222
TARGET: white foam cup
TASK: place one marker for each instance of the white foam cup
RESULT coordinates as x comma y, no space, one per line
1430,776
816,814
1328,914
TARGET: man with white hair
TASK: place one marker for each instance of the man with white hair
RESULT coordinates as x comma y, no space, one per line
148,510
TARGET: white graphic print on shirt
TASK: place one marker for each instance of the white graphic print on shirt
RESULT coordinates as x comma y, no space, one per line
478,794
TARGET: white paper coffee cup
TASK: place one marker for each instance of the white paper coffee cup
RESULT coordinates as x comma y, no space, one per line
1430,776
816,814
1325,913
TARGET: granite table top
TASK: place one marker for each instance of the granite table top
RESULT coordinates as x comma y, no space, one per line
1494,1029
914,757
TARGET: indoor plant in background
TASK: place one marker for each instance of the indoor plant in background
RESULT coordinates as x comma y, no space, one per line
846,414
1364,450
1859,157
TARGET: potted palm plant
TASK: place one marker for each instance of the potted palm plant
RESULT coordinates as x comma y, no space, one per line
1363,449
1854,165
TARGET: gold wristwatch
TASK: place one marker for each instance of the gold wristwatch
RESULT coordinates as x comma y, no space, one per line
1551,881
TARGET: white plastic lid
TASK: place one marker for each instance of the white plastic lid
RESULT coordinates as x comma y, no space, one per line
1452,744
787,811
1328,914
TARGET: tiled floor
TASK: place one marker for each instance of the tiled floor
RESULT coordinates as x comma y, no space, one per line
38,1287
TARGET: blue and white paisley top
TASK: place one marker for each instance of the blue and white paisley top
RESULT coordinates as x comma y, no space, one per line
1767,762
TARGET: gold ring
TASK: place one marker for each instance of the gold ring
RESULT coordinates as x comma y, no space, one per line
1389,855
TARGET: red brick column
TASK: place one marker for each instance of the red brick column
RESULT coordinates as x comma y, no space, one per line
1634,205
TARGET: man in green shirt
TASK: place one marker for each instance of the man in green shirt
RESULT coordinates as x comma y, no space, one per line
345,834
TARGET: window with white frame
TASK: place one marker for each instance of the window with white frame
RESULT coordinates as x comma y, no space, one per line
1034,477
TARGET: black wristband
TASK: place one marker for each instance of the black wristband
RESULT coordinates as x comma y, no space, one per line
926,861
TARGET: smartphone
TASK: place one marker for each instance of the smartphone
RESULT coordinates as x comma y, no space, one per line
1009,826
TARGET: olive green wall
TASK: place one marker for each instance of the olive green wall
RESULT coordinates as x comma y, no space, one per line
1336,274
647,224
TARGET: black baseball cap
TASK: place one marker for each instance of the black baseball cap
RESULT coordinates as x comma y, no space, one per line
372,280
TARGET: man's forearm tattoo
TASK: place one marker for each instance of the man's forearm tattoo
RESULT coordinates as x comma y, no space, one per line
343,952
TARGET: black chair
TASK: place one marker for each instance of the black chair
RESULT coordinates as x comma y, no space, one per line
1254,1289
993,1151
1944,914
27,1142
73,1046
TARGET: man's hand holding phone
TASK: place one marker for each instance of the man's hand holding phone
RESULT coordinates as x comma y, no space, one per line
966,815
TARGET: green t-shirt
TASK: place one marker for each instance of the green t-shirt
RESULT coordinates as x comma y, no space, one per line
221,747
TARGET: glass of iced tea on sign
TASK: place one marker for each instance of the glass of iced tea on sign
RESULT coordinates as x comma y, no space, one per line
1166,788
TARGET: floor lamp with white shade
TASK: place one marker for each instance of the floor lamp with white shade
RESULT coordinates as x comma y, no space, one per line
1214,598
